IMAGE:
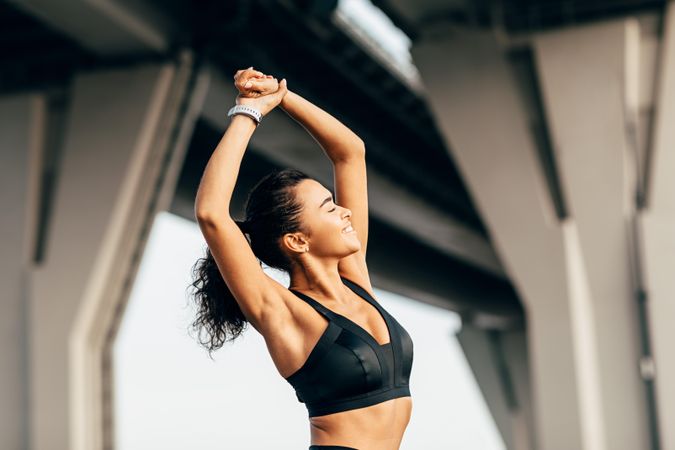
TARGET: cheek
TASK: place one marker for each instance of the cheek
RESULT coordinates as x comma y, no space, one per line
327,227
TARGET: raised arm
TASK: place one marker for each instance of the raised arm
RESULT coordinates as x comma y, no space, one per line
220,175
221,172
253,290
346,150
336,139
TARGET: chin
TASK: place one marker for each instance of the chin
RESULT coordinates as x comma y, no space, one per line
356,248
354,244
346,255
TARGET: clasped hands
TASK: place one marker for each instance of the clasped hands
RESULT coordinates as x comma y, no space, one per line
259,91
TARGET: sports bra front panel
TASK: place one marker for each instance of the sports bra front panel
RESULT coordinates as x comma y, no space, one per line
348,368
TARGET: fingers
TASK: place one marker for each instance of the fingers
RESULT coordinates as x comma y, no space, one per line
256,83
251,82
262,84
247,73
241,71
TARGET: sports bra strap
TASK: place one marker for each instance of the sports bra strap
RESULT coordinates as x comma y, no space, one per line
327,312
314,304
359,290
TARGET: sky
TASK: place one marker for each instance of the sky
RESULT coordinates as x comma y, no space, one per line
371,25
170,395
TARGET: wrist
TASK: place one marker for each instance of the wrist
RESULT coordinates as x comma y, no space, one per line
254,113
243,121
286,99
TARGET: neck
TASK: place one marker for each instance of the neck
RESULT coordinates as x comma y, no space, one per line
320,278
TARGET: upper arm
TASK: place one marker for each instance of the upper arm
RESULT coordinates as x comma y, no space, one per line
351,192
257,294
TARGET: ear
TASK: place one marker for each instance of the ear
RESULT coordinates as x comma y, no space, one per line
295,242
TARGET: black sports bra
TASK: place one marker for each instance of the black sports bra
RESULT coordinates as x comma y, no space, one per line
347,368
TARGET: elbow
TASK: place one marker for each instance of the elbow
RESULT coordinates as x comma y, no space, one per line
204,217
360,146
200,214
210,220
351,151
208,212
357,148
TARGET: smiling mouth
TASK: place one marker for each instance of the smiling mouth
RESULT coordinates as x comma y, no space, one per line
347,230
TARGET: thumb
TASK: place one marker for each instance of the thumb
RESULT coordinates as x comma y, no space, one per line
283,88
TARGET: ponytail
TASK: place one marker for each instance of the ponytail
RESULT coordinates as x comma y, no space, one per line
272,210
218,314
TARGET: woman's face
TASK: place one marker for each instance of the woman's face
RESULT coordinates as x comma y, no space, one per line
325,221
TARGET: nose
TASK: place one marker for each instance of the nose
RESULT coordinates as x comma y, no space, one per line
349,213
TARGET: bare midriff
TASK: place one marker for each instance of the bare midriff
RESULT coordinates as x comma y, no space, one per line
375,427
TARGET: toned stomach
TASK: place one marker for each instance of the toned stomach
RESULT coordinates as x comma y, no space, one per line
375,427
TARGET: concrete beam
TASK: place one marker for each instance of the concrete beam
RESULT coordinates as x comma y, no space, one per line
106,27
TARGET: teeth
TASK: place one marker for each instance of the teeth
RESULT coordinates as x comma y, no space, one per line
348,229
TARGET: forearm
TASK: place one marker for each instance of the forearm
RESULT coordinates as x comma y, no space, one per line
221,172
336,139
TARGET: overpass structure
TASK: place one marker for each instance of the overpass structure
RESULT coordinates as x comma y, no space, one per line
517,174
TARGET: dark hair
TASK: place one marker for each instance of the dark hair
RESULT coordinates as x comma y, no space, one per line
272,210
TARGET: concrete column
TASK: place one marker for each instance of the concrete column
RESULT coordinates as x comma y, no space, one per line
21,133
498,360
121,156
658,225
585,85
475,102
514,348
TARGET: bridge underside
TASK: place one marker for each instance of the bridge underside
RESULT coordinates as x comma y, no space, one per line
502,185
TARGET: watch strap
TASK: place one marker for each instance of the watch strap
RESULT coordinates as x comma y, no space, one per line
246,110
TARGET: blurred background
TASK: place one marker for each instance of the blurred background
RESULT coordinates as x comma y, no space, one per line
521,201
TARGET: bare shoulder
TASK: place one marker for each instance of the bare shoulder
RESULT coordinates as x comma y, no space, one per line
290,315
291,331
281,313
291,319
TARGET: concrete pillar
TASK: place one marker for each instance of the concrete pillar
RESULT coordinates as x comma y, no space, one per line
498,360
515,352
125,139
586,86
474,98
21,133
658,225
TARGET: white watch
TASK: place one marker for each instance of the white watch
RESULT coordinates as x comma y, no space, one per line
246,110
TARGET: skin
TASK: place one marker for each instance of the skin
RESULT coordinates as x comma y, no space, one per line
316,274
377,427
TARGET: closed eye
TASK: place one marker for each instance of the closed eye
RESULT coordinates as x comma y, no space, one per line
332,210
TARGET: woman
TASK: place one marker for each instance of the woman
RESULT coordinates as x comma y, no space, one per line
348,360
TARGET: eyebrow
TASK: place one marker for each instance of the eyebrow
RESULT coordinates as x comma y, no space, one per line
326,200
